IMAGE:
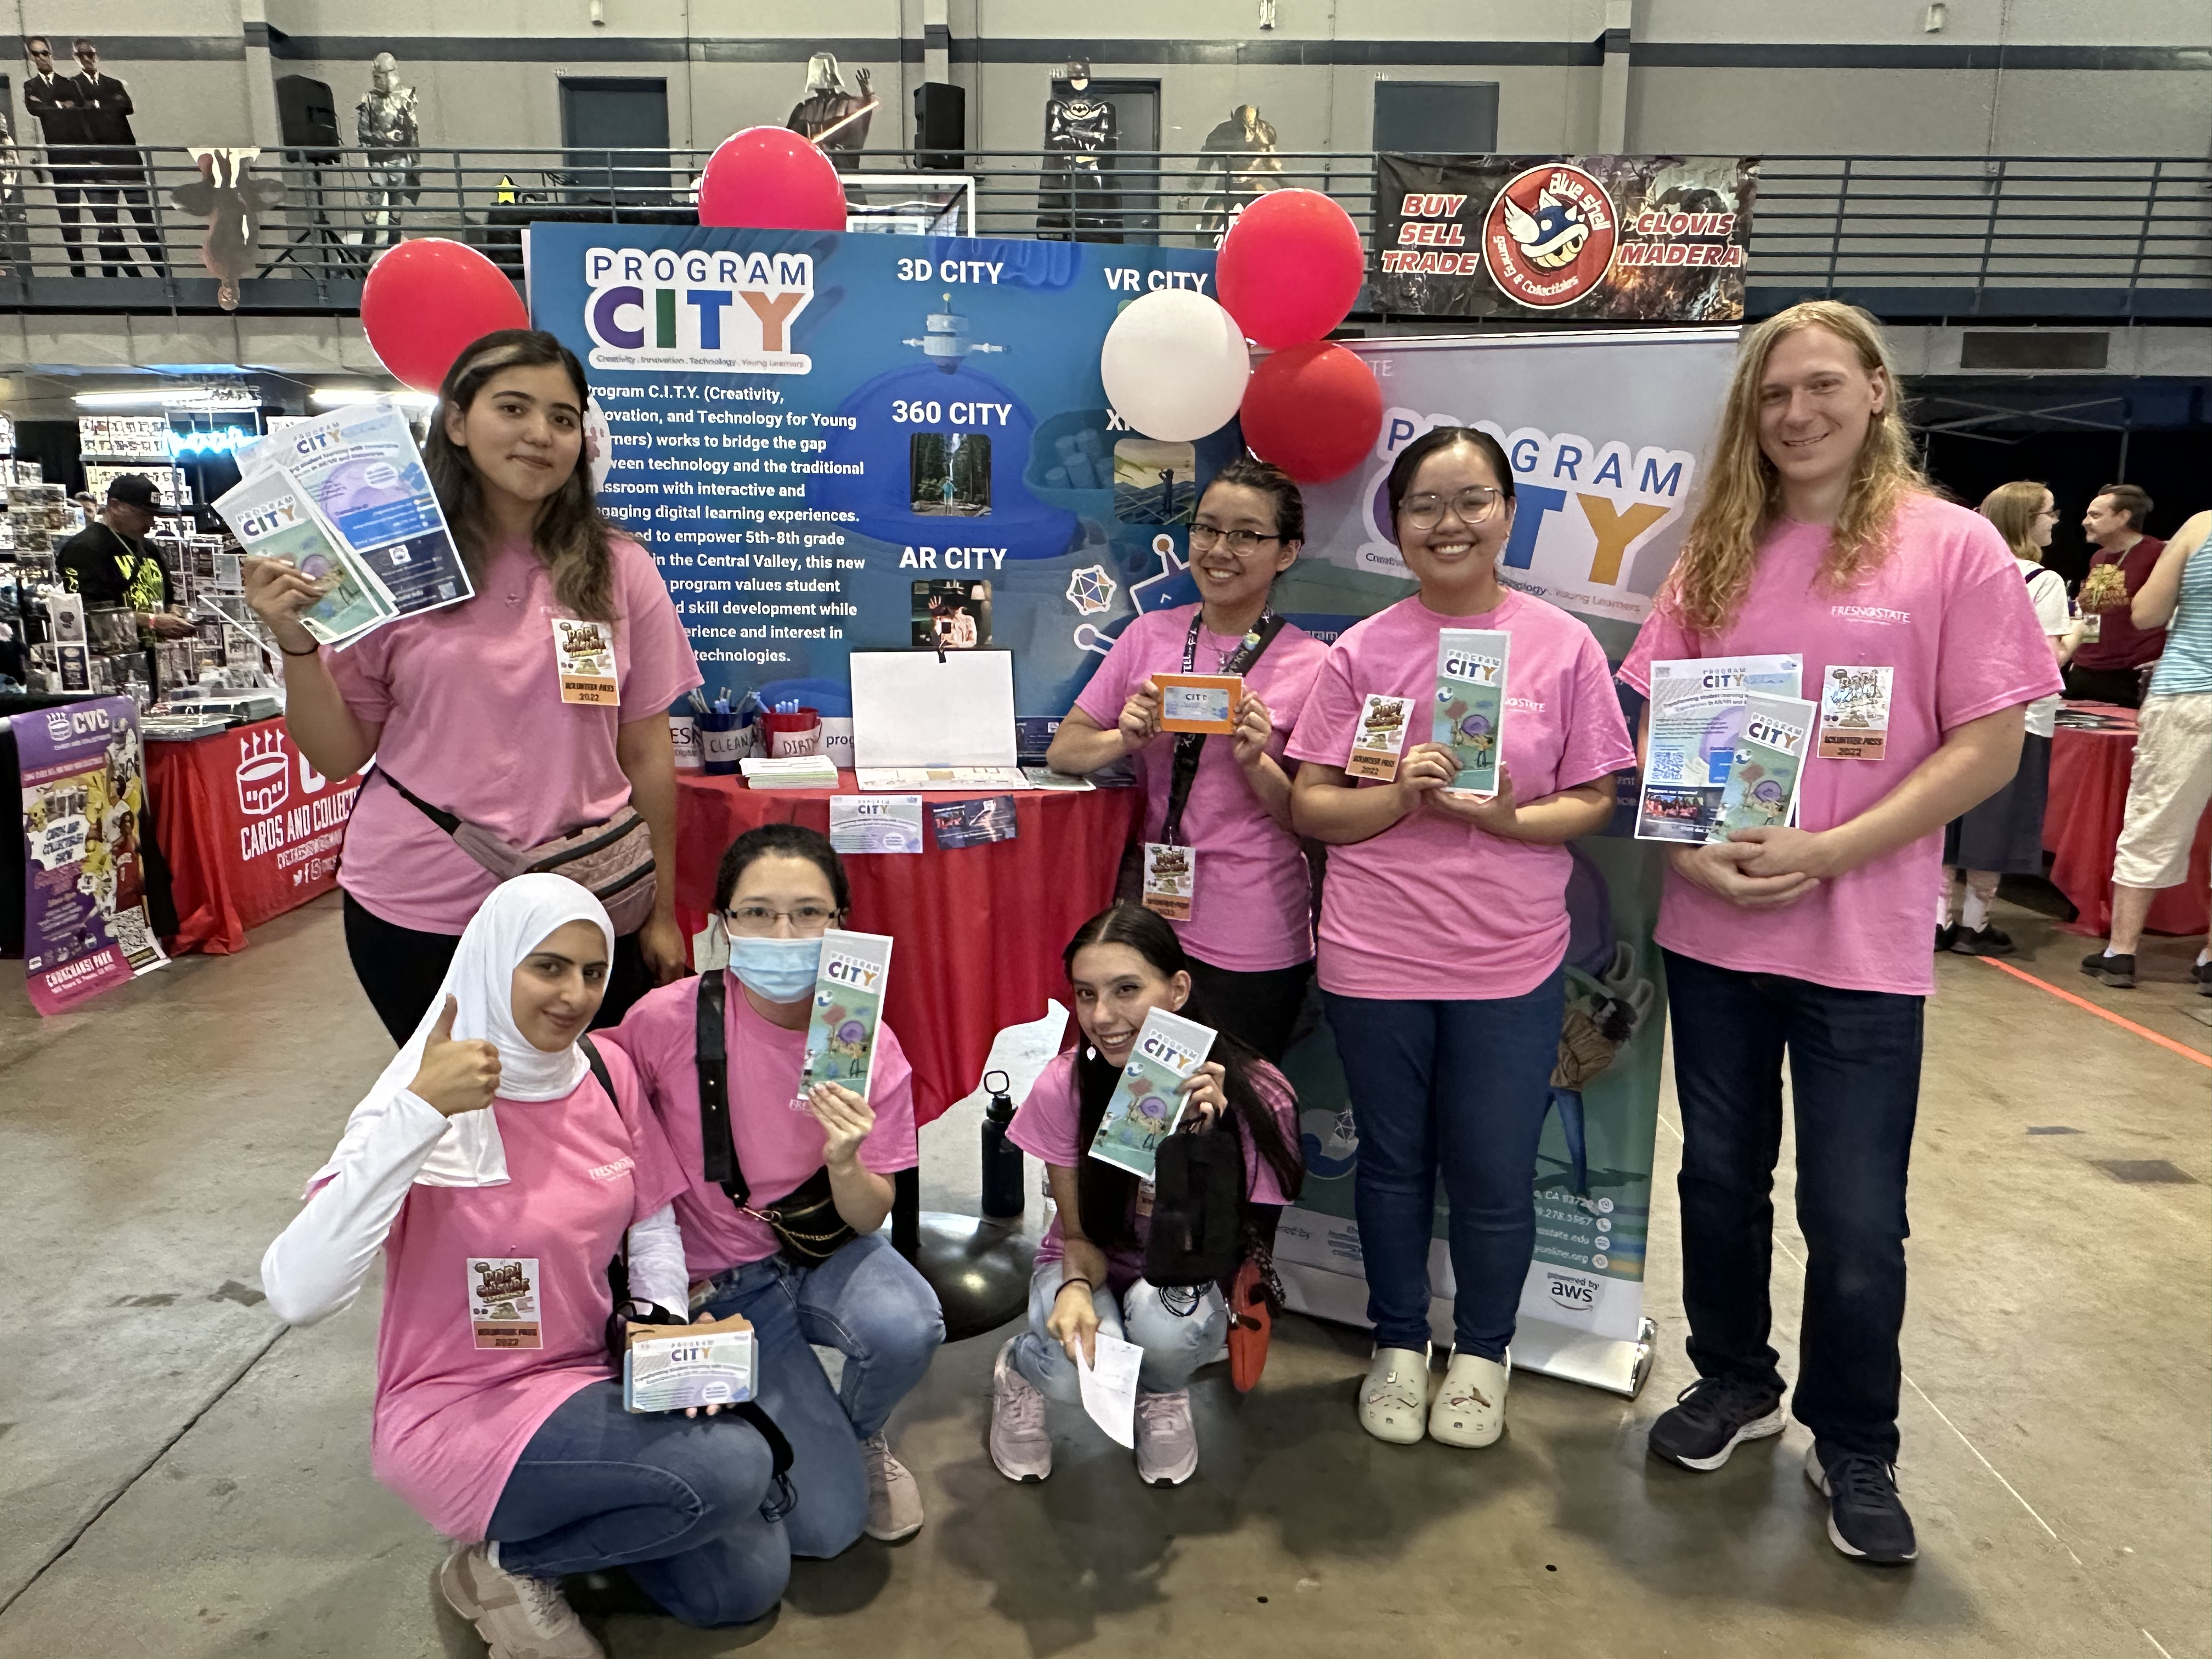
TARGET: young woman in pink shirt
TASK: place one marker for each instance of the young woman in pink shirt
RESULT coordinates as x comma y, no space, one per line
1818,535
1443,928
499,1165
465,708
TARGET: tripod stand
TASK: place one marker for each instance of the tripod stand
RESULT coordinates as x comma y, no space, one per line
312,246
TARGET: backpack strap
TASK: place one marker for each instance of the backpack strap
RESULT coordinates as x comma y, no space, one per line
711,1054
598,1065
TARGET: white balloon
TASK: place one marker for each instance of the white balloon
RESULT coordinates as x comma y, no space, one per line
1174,364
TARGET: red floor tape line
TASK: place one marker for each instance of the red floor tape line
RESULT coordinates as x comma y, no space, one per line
2181,1048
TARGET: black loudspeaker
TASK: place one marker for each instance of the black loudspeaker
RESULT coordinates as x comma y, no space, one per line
940,125
308,118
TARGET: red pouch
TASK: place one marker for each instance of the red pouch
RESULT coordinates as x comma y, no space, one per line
1251,1322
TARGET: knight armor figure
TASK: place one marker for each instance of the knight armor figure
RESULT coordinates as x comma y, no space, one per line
385,126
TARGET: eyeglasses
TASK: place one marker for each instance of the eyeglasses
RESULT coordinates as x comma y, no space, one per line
757,921
1242,543
1473,505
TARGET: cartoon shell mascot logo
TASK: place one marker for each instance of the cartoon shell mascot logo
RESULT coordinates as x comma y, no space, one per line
1549,237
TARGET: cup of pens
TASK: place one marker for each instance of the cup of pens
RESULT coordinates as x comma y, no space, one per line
792,729
721,741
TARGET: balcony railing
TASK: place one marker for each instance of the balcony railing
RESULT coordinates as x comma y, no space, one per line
87,230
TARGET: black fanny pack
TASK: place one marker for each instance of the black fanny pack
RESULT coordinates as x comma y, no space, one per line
1197,1234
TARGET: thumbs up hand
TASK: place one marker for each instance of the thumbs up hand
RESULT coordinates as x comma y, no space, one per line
455,1077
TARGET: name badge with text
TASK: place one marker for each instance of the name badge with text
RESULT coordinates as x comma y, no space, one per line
585,653
1170,880
504,1302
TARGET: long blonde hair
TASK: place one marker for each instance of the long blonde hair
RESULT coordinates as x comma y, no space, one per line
2012,508
1743,492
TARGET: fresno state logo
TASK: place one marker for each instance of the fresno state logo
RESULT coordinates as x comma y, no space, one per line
1549,237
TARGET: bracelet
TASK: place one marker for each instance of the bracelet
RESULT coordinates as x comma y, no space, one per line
315,650
1078,1279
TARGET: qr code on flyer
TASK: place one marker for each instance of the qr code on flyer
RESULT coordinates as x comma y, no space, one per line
134,937
1668,766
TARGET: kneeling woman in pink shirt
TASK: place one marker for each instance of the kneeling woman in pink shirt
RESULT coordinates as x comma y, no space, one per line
1444,927
1122,964
787,1187
501,1164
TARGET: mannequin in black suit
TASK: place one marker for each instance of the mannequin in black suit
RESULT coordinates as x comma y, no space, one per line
103,110
52,100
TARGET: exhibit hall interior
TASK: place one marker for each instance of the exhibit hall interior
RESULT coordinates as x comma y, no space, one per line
860,827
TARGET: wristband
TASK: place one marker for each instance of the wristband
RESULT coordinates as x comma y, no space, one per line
1078,1279
315,650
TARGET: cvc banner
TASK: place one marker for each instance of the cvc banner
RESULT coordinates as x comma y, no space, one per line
1607,434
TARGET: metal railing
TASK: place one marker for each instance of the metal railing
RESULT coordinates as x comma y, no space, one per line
92,230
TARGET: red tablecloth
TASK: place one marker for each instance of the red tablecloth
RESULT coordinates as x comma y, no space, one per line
250,830
979,929
2081,828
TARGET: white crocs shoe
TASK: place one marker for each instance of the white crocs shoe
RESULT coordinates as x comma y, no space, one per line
1393,1401
1470,1408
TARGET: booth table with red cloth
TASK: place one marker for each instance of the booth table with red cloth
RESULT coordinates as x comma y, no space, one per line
979,929
250,830
2081,829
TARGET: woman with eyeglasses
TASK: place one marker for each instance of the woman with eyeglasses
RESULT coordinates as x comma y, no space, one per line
783,1229
1444,927
1244,905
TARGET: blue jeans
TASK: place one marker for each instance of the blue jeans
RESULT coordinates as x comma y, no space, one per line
676,1500
868,1304
1462,1088
1854,1084
1175,1343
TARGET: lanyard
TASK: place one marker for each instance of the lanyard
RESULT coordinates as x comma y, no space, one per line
1190,744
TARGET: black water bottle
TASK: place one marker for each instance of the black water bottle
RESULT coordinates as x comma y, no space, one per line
1002,1159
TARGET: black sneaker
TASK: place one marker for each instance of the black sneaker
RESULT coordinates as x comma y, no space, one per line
2202,973
2111,970
1711,1418
1944,935
1984,941
1866,1518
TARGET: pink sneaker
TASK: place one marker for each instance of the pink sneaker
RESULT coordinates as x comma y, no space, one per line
1167,1440
1020,1445
518,1617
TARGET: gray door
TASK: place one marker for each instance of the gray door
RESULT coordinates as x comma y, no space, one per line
615,130
1441,117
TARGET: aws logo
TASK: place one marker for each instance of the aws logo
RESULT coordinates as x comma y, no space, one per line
1571,1290
726,312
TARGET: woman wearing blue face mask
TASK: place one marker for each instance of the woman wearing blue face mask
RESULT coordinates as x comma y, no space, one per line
787,1190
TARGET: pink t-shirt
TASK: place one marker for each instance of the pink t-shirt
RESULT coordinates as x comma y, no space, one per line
1049,1123
1433,910
452,1418
470,701
1254,908
777,1146
1948,612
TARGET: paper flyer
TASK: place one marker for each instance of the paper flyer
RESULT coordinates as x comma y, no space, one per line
272,519
1110,1388
1198,702
668,1369
360,467
1146,1104
1471,703
903,779
1697,715
1770,758
877,824
975,822
848,1007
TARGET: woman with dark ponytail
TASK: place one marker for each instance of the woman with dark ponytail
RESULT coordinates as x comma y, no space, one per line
1122,964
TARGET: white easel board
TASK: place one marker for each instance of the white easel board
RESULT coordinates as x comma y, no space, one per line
931,708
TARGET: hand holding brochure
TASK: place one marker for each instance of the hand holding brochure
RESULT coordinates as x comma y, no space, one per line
1770,758
1697,715
1470,711
848,1011
1148,1102
272,519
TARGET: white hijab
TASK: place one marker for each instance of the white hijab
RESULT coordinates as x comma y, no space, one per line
518,918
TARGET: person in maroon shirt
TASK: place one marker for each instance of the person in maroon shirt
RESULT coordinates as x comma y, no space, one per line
2104,669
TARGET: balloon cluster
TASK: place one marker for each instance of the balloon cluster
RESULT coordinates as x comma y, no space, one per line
1175,364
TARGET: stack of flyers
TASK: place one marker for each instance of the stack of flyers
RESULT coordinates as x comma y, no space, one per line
848,1011
1148,1102
272,519
360,468
1697,715
1470,712
1761,791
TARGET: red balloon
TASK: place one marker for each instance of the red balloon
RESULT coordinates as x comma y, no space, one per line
426,300
1313,410
1291,267
771,178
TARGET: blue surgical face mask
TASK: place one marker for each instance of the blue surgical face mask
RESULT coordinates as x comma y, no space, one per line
775,969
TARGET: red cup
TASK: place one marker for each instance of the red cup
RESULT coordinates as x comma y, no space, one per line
799,734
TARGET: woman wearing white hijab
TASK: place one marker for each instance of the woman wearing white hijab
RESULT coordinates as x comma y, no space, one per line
500,1179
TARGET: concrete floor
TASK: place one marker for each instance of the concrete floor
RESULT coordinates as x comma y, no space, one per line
179,1478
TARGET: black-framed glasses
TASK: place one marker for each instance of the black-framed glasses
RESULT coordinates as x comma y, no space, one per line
756,921
1243,543
1473,505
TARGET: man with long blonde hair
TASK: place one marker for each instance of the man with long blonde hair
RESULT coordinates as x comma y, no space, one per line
1819,536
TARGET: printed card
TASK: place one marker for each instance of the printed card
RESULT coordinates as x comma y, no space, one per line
1770,758
1471,704
848,1011
975,822
1170,880
503,1301
585,653
1381,738
1854,711
1198,702
876,823
671,1367
1147,1101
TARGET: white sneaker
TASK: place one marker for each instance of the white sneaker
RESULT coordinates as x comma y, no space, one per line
518,1617
1393,1401
1470,1408
1020,1445
1167,1440
894,1498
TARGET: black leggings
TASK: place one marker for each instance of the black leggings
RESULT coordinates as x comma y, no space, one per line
1261,1008
401,969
